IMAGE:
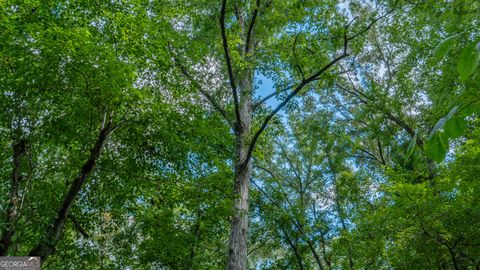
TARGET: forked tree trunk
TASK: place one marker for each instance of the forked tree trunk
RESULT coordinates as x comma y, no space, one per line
48,243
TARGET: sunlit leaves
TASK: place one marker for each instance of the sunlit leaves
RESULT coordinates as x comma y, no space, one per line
444,47
448,127
468,62
437,147
411,147
455,127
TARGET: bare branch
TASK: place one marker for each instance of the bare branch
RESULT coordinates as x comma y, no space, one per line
380,150
294,167
369,155
299,68
306,81
280,186
373,22
297,89
202,91
263,100
248,42
229,63
77,225
353,93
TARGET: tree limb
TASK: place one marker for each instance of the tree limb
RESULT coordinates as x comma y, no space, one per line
229,64
297,89
204,93
248,43
373,22
380,150
297,225
77,225
266,98
304,82
47,246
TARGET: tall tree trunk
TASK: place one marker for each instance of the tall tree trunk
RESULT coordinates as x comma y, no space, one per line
47,246
237,253
12,206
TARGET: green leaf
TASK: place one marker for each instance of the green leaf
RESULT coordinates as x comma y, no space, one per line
452,112
436,148
438,126
444,47
468,62
455,127
411,147
469,109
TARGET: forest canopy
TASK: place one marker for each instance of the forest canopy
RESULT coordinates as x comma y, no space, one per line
240,134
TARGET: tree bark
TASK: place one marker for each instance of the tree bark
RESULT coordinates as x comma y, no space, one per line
47,246
237,253
19,149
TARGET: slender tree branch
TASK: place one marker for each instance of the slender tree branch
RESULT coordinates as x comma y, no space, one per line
296,223
297,89
77,225
248,43
294,247
282,190
266,98
304,82
299,68
197,231
229,65
294,167
380,150
204,93
47,245
373,157
353,93
361,32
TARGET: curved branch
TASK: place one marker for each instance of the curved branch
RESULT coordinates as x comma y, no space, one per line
209,97
364,30
229,62
266,98
297,89
248,46
202,91
77,225
304,82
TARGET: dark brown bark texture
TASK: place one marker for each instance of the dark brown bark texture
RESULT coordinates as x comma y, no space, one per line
47,245
237,253
19,149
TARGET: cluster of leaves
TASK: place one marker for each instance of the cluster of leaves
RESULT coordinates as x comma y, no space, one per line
465,103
